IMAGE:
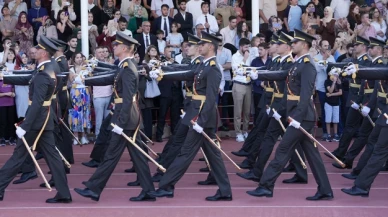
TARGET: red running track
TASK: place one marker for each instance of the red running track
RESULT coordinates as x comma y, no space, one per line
27,200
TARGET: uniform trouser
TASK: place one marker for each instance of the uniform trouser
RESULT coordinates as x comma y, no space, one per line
177,143
102,141
7,121
46,145
242,97
250,140
147,121
352,124
189,150
286,149
112,156
358,144
377,159
262,128
271,136
173,103
372,140
169,143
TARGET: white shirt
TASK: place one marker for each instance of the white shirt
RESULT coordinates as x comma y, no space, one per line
127,32
238,59
162,25
211,20
1,56
156,5
124,7
321,72
145,39
228,35
22,7
374,59
340,8
194,7
269,8
380,27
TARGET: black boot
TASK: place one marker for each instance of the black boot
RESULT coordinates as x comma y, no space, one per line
25,177
87,193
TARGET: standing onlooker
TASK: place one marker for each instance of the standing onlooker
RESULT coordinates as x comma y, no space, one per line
174,39
242,91
113,24
16,7
156,8
332,106
353,17
145,39
365,29
136,10
194,7
238,11
96,11
101,96
242,32
6,46
310,19
198,29
124,8
163,22
229,32
36,16
340,8
79,114
161,42
225,11
183,58
93,33
24,33
21,91
184,20
139,15
123,23
72,41
104,39
326,27
7,113
348,54
108,11
292,16
8,23
224,58
267,8
379,24
207,20
323,56
64,26
318,7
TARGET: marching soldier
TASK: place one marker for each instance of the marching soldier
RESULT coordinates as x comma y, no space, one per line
354,117
183,125
38,126
370,89
127,121
205,91
274,129
300,82
379,152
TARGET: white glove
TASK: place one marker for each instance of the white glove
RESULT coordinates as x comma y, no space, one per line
117,129
355,106
387,121
254,75
334,71
365,111
295,124
183,115
268,110
351,70
240,71
322,63
197,128
154,74
276,116
20,132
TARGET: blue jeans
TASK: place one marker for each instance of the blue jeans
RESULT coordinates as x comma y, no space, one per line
322,99
101,110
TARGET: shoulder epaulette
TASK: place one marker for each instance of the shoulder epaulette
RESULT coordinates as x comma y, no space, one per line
125,64
365,57
212,63
379,61
59,60
197,61
41,68
306,60
289,59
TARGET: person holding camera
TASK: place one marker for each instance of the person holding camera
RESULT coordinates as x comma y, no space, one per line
365,29
64,25
310,19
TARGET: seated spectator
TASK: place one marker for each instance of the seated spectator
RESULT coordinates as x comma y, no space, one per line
101,3
79,114
163,22
133,10
242,32
207,20
354,18
229,32
16,7
113,24
174,39
136,57
161,42
318,8
184,20
93,33
182,58
104,39
379,24
365,29
156,8
36,15
48,29
108,11
137,18
64,26
72,42
332,106
198,29
326,26
310,19
6,44
8,23
96,11
123,23
124,8
146,39
24,33
238,11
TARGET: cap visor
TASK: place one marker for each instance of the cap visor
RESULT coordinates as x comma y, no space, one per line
294,40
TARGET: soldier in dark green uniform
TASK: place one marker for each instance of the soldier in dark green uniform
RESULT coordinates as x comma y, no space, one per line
300,82
205,91
127,120
38,126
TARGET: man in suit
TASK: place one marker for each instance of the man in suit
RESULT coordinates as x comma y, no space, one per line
184,20
145,39
163,22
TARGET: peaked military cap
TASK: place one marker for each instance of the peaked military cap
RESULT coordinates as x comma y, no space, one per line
209,38
274,39
302,36
361,40
376,42
193,40
122,38
46,44
284,38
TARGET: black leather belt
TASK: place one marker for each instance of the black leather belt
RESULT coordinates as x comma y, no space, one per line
246,84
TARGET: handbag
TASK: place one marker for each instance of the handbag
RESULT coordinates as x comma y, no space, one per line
152,89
